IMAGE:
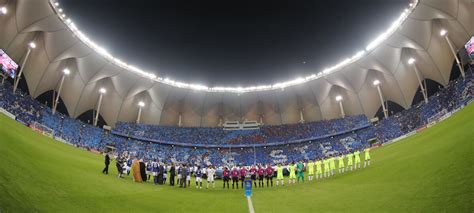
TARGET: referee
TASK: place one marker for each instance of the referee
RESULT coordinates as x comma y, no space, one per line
107,162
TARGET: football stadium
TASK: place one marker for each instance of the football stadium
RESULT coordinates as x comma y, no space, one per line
388,129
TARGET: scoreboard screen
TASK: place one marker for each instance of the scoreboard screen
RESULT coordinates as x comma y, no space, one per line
8,66
470,47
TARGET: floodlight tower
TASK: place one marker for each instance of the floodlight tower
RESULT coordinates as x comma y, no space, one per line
339,100
412,61
66,72
141,104
384,108
180,121
102,91
444,33
301,116
31,46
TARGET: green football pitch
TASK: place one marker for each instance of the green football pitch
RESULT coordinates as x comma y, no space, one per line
429,172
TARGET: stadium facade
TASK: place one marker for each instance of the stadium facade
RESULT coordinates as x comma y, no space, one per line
59,46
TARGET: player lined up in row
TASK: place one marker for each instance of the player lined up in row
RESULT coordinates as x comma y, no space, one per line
259,174
324,167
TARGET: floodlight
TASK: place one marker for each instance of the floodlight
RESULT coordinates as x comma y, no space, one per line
411,61
3,10
443,32
376,82
102,90
32,45
338,98
66,71
141,104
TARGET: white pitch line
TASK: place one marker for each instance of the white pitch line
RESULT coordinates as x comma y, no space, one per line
249,202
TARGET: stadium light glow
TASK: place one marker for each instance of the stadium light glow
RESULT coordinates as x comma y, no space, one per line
3,10
443,32
32,45
279,85
376,82
141,104
102,90
66,71
411,61
338,98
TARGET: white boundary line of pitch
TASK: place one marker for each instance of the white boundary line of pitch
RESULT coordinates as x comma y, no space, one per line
250,205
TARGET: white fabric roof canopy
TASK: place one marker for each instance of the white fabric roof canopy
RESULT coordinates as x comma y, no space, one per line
57,48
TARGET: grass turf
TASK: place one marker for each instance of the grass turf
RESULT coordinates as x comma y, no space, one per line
431,171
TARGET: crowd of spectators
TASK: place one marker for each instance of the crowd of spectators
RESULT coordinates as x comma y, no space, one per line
264,135
300,141
244,155
456,94
26,109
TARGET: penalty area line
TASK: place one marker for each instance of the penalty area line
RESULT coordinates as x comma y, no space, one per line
250,205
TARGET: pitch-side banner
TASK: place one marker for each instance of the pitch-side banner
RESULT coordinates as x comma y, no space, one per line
7,113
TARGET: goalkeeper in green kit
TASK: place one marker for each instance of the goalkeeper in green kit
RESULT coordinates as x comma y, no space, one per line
299,171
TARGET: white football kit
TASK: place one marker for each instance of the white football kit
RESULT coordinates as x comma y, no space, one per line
210,174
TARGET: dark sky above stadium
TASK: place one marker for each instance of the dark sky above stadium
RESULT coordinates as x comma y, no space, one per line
235,42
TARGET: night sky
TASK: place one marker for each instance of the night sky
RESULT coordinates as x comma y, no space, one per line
233,43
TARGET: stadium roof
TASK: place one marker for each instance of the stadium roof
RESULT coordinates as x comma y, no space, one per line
61,45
